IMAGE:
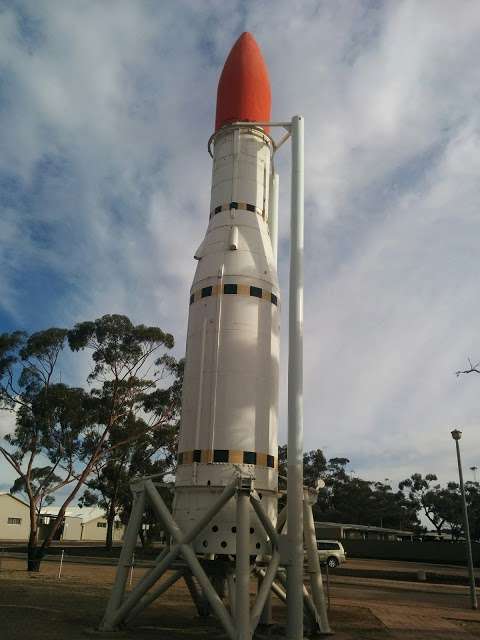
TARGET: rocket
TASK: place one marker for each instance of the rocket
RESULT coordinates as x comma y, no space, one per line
230,392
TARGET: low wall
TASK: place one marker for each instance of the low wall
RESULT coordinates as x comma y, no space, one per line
436,552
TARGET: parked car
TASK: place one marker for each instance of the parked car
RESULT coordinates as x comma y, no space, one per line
331,552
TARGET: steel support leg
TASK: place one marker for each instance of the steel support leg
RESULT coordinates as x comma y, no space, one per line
276,589
266,619
199,600
153,595
308,605
314,571
242,567
144,585
231,592
125,560
265,584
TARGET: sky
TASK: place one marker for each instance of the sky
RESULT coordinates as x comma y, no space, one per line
106,108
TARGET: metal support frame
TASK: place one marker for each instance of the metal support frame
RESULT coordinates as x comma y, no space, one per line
242,567
239,620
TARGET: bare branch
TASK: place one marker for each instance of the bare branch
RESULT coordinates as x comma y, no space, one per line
11,460
474,368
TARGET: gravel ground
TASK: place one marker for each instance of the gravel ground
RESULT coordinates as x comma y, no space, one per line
41,606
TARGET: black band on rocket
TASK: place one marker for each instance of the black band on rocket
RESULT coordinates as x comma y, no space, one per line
234,289
237,205
208,456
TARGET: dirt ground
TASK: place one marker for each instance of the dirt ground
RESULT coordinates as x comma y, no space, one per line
41,607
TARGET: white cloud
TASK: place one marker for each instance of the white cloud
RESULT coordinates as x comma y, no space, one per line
7,474
7,422
104,126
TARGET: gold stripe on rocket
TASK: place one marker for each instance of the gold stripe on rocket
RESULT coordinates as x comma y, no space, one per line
227,456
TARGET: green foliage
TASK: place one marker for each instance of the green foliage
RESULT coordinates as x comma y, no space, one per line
424,495
131,408
314,467
350,499
117,345
140,410
43,481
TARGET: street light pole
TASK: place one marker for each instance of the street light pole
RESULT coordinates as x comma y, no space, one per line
456,435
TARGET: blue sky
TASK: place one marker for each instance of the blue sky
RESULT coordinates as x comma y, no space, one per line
105,112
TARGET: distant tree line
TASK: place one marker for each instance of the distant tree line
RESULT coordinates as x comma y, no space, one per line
349,499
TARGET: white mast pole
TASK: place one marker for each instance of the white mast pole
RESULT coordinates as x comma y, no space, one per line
295,391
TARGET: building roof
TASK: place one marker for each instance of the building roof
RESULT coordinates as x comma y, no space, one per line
86,514
6,493
362,527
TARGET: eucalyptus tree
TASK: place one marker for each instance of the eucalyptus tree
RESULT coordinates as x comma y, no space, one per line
50,418
62,433
138,390
426,496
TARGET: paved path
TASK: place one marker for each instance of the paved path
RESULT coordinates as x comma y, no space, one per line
413,619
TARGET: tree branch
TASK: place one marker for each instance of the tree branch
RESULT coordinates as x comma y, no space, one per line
11,460
473,368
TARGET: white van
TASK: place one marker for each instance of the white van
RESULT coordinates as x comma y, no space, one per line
331,552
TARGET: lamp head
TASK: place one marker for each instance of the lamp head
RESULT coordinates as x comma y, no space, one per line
456,434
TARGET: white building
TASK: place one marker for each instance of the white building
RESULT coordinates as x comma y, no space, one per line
81,524
14,518
92,524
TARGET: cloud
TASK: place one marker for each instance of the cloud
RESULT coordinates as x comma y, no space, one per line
104,179
7,474
7,422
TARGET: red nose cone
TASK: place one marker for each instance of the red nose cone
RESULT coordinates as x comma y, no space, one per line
244,88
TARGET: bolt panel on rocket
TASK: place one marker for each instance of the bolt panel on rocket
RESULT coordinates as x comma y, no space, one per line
230,394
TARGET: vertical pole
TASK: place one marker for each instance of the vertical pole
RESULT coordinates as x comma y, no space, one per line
295,392
61,565
130,578
471,574
242,567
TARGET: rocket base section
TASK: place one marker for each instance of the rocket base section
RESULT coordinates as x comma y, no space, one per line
197,488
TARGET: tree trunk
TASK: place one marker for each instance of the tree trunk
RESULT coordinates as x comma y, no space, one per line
110,523
34,554
59,520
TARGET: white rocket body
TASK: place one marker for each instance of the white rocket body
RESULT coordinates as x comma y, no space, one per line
230,394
